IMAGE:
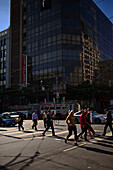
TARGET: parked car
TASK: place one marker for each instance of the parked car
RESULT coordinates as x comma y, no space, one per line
6,120
96,117
14,115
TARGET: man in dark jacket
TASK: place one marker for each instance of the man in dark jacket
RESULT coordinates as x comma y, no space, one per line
108,122
49,123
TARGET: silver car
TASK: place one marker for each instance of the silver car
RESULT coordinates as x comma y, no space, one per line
95,117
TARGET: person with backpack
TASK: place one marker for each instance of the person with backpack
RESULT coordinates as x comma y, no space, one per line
108,122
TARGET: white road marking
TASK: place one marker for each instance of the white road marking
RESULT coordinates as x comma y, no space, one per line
39,137
84,143
70,149
58,139
98,139
109,134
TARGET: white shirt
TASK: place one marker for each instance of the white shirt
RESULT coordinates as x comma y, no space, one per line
34,116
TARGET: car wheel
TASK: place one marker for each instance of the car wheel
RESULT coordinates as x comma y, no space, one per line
76,121
97,121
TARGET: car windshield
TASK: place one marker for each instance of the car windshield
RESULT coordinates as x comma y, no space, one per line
6,116
14,113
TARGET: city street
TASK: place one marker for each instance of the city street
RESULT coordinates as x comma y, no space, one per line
28,149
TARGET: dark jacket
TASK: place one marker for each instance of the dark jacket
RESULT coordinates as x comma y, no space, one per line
20,118
49,118
88,118
109,117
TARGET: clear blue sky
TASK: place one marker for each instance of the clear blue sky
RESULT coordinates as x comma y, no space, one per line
105,5
4,14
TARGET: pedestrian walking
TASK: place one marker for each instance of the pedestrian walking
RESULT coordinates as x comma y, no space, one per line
45,118
108,122
34,119
49,123
20,122
70,120
83,124
88,119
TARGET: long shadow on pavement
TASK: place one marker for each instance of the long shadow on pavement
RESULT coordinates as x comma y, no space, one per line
30,159
97,150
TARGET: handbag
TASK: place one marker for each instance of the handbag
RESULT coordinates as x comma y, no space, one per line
18,119
32,124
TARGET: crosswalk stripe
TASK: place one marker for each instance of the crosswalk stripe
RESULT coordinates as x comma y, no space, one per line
109,134
17,133
13,133
84,143
70,149
58,139
74,147
48,135
28,134
21,133
98,139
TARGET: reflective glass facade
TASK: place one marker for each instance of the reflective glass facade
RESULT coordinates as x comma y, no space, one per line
97,38
53,42
64,40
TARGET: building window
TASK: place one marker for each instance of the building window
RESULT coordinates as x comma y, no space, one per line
5,52
45,4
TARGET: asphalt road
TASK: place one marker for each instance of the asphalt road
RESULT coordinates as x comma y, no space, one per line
30,150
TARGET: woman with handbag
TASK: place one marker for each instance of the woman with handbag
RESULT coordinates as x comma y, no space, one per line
20,121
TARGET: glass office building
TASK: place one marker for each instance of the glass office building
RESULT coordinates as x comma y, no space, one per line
53,43
64,41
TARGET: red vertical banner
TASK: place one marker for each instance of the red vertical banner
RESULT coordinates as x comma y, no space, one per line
24,69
